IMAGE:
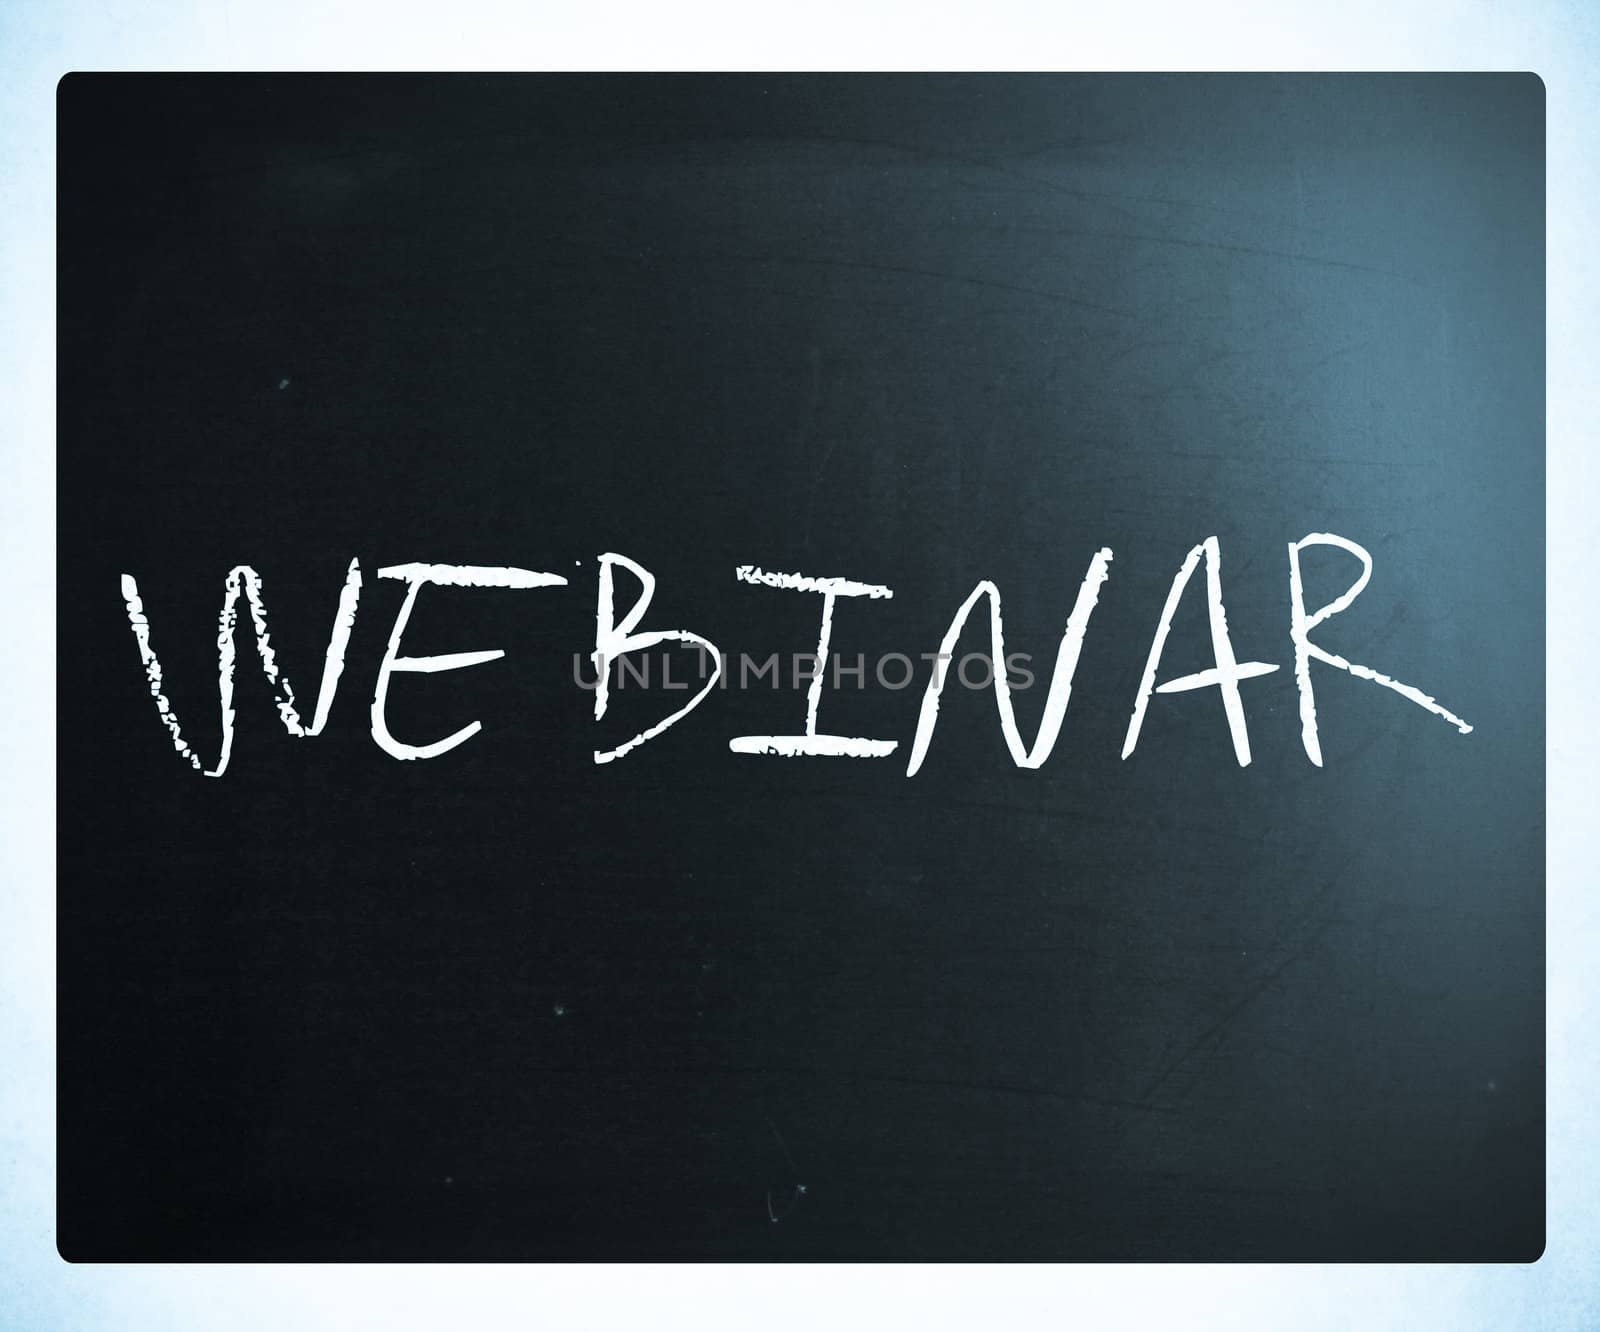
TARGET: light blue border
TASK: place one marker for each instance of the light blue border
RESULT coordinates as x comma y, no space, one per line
39,1293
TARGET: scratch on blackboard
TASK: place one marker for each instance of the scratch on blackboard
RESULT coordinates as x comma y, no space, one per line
776,1216
1251,993
799,1190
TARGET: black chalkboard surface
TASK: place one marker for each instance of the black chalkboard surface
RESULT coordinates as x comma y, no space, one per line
398,368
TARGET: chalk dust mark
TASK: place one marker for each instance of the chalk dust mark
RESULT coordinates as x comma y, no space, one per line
798,1191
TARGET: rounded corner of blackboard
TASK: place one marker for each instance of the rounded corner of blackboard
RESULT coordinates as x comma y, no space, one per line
66,1252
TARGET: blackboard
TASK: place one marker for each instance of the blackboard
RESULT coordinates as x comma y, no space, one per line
912,333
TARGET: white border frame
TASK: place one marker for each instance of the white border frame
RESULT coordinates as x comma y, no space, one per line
1560,39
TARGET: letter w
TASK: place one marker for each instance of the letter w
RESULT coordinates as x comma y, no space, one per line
244,578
